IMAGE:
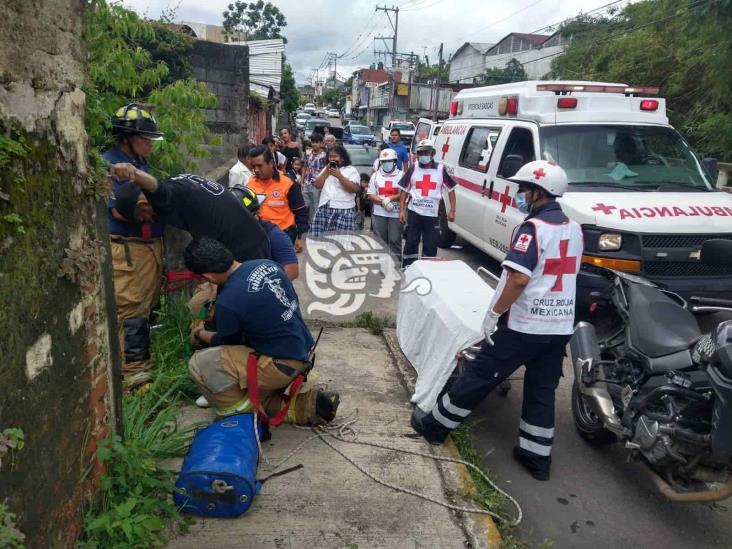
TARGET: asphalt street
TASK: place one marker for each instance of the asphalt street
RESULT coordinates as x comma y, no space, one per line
595,498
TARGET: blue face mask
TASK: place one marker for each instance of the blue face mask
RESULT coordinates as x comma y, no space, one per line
424,159
388,166
522,204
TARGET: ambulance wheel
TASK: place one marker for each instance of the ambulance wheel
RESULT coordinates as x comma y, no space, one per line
447,237
587,423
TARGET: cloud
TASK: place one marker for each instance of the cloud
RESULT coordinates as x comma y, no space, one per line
315,27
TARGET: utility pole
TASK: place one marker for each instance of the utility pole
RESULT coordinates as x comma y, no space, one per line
439,81
409,87
394,27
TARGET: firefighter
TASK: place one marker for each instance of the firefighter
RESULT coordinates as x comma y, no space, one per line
136,244
422,185
256,304
529,322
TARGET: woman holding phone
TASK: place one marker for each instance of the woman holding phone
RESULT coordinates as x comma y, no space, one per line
338,184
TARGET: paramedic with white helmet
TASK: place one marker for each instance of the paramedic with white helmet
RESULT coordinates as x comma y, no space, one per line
422,185
384,192
529,322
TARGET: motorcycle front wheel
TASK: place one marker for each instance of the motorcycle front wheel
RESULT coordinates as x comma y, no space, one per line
587,423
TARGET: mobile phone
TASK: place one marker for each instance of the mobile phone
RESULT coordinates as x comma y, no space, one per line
332,165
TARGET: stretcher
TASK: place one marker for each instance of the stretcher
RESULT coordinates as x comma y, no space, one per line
439,322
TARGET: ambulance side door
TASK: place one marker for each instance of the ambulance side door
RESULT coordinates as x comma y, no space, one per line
518,147
474,175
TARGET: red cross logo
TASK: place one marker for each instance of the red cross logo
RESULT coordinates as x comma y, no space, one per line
388,189
445,148
560,266
524,238
538,174
607,210
505,199
426,185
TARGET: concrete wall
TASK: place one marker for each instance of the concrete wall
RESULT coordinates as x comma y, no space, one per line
225,71
56,375
465,66
423,100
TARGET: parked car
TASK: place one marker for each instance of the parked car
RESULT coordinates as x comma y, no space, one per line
300,120
362,157
405,128
358,134
312,123
332,113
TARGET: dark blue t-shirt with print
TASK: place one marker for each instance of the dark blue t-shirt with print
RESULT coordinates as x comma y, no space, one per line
258,307
523,255
117,227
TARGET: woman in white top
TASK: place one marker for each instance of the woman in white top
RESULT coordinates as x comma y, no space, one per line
384,193
338,184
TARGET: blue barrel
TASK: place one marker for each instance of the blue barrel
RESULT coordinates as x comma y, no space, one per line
218,477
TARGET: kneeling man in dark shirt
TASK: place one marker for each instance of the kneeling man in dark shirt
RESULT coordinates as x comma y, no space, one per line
256,313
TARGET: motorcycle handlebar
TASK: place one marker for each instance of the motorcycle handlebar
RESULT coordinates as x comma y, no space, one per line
714,302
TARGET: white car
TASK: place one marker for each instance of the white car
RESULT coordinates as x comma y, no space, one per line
332,113
406,129
644,200
300,120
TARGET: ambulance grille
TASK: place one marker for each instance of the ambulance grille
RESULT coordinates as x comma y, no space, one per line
679,240
684,268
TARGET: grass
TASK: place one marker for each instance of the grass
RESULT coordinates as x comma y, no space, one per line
135,506
487,496
373,322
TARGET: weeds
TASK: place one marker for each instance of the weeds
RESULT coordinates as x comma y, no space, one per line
373,322
10,536
136,505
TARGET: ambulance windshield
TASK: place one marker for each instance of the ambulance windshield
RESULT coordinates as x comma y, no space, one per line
644,158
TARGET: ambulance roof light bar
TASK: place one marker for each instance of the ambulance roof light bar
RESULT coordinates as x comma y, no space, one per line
563,89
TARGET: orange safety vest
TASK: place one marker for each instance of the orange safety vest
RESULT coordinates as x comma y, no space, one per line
276,208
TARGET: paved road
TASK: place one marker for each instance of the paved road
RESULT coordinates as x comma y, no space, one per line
594,499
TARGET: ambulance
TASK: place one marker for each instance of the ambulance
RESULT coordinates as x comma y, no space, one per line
646,203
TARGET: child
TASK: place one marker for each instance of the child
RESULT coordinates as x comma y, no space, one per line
362,203
295,172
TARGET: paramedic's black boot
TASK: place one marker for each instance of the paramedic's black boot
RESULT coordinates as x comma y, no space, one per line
326,404
417,422
538,474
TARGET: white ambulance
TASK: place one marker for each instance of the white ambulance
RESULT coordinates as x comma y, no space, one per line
645,201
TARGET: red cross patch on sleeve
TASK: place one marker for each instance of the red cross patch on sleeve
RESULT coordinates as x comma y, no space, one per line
522,243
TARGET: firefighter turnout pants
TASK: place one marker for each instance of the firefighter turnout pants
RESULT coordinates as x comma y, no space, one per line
424,228
543,356
138,270
221,375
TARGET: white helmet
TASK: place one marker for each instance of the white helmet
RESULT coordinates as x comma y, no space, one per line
545,174
387,154
426,144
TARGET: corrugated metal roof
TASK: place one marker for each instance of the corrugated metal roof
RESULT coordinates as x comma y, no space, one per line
265,64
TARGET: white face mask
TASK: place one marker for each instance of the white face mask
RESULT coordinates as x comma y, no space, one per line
424,159
388,166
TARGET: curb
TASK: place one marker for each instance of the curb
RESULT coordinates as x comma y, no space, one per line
481,530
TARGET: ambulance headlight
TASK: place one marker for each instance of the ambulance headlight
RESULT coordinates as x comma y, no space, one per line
610,241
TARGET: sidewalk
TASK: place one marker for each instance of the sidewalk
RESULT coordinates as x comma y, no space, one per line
329,503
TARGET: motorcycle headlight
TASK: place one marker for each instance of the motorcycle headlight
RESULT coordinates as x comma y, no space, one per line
610,241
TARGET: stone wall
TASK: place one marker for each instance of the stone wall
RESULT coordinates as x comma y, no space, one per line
225,71
56,375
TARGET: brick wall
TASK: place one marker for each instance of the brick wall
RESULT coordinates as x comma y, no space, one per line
56,375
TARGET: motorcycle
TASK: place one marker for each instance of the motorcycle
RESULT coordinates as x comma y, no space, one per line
659,385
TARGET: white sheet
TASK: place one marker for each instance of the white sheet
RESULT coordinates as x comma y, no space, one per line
433,328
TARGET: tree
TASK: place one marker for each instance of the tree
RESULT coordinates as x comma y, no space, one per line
332,96
253,21
684,47
425,72
288,89
512,72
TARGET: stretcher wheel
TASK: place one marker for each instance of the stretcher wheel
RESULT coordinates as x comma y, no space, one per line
504,387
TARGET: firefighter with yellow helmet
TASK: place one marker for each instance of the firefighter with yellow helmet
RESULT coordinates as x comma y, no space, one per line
136,242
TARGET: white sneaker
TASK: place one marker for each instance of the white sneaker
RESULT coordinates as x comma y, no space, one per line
202,402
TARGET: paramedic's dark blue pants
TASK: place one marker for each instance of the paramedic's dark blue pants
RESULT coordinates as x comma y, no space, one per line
424,228
542,355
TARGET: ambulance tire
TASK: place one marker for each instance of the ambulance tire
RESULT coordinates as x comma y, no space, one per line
447,237
586,422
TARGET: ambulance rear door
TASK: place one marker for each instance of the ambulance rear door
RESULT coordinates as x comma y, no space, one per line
518,147
425,129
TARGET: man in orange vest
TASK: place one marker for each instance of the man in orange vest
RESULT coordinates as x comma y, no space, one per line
285,205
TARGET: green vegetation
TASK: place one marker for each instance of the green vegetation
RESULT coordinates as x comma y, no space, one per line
10,536
288,88
253,21
133,59
512,72
135,507
373,322
683,46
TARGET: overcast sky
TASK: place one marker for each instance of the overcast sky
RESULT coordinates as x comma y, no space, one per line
315,27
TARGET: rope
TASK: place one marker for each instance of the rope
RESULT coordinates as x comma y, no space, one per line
340,432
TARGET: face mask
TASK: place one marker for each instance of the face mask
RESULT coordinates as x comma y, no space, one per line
522,204
388,166
424,159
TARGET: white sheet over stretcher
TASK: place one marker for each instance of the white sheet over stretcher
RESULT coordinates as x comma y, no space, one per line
433,328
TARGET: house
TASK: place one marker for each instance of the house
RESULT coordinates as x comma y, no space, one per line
307,92
364,83
467,61
534,51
